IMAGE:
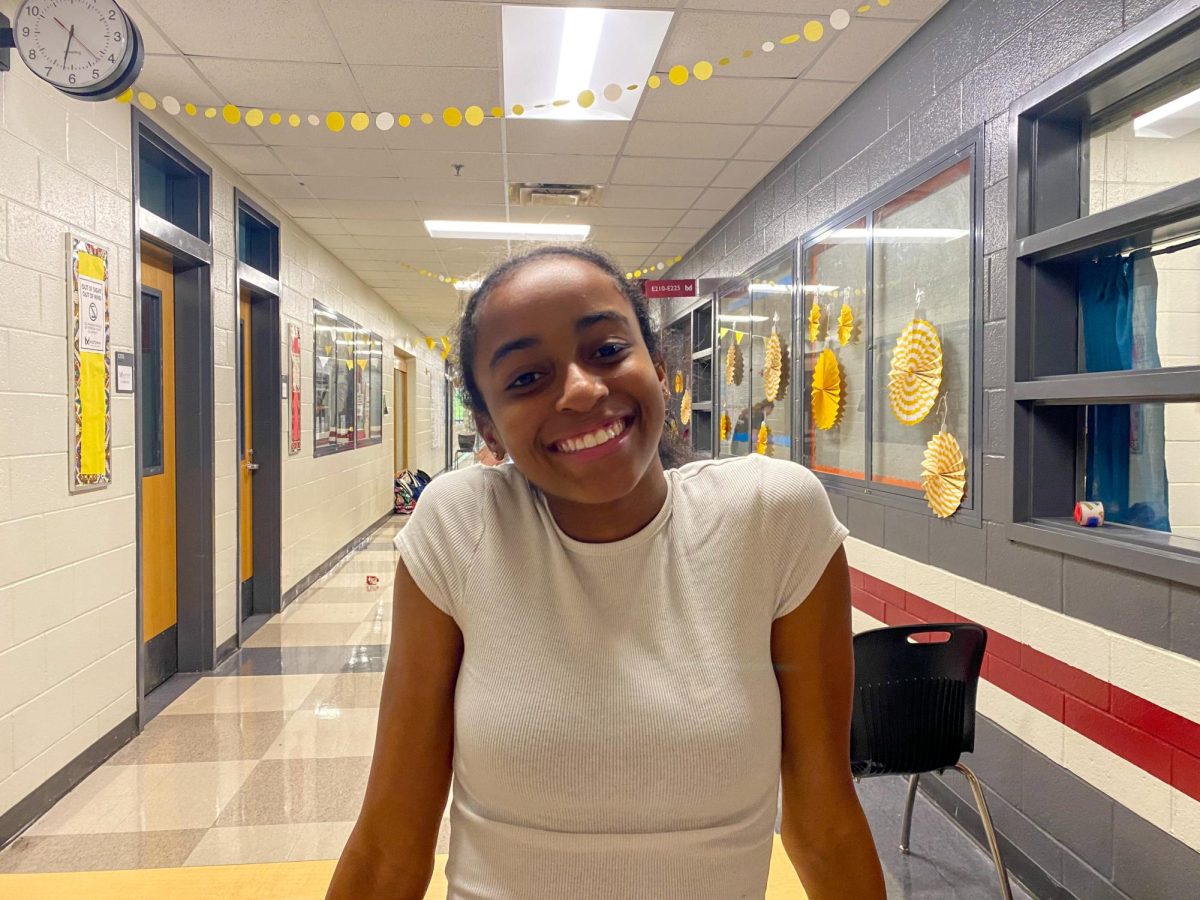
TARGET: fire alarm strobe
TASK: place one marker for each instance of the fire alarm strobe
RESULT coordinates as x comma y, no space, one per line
88,49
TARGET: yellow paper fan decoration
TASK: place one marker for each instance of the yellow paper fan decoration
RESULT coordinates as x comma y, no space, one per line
916,374
679,382
726,427
845,324
773,366
944,474
764,440
814,322
685,409
826,391
735,366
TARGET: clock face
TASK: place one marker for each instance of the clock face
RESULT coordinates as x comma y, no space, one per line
76,45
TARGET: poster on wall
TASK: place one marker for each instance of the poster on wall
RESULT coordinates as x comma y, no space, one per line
293,388
89,368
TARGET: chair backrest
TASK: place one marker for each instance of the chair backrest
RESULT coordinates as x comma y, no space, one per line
914,699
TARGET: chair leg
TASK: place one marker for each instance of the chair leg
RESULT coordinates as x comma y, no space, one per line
988,828
906,825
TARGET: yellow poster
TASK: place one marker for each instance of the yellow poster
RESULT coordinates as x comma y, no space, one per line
92,462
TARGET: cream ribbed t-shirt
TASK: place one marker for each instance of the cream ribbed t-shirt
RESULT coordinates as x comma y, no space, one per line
617,717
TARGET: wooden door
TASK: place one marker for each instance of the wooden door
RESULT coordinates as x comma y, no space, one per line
400,415
247,466
157,430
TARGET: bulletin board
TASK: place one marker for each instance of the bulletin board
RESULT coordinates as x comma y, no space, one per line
89,365
293,388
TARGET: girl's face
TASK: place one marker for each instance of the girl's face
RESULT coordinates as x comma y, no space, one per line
572,394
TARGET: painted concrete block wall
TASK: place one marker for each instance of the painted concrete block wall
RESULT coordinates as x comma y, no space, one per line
67,562
1094,798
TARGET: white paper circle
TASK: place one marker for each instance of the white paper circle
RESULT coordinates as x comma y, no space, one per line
171,105
313,119
839,19
768,47
384,121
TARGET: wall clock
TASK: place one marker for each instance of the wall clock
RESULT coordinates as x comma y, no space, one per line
88,49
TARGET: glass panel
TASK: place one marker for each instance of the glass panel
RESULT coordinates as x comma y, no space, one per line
771,292
152,384
1140,462
376,371
835,277
324,375
1141,311
738,419
1146,147
344,368
922,248
362,385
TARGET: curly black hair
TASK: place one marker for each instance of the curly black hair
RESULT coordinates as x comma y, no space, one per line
671,450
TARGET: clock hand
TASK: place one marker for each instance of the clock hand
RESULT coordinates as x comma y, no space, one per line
66,52
81,43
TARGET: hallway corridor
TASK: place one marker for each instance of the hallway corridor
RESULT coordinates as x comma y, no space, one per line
248,782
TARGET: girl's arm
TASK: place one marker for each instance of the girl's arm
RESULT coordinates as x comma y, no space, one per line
824,829
390,852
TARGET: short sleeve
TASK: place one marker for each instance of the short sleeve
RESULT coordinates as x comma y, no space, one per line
802,530
440,539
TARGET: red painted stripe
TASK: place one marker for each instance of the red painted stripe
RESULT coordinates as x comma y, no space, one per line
1155,739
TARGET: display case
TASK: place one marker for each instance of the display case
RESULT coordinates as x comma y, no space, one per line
347,383
324,361
688,354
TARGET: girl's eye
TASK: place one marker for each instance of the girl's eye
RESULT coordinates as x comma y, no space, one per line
610,350
525,380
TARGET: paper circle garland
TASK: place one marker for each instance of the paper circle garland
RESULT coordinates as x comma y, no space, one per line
763,445
773,366
814,322
845,324
735,365
726,427
685,409
916,373
827,396
944,474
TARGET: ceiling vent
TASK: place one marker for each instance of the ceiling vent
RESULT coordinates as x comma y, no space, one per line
545,194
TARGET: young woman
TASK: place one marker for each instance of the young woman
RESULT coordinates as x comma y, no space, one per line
616,660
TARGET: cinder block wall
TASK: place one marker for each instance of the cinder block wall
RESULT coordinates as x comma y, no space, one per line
1089,737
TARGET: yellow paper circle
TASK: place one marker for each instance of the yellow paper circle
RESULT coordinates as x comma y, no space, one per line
426,118
404,121
335,121
474,115
126,96
826,391
452,116
679,259
813,31
146,100
586,99
916,372
723,61
275,119
189,108
518,110
703,70
746,54
497,112
944,474
790,39
254,117
678,75
360,121
294,120
612,92
654,82
637,273
231,114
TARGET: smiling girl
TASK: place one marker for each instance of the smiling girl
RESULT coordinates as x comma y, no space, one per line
617,659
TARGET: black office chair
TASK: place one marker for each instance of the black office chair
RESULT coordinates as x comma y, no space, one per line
914,711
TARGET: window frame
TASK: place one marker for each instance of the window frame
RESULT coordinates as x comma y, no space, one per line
1048,146
156,371
968,146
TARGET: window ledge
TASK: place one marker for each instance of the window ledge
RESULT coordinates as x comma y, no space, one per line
1113,545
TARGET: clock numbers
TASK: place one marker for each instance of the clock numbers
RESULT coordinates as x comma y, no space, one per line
89,49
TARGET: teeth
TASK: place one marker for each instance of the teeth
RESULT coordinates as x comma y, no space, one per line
595,439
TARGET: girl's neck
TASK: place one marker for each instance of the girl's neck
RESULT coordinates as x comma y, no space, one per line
602,523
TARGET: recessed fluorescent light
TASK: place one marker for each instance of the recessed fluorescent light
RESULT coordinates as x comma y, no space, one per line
516,231
1171,120
929,235
595,48
762,287
467,284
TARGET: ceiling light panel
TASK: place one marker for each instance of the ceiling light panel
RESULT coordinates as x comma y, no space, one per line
554,53
517,231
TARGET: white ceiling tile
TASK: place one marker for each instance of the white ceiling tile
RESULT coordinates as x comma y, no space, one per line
686,235
457,190
701,218
354,187
153,40
417,89
636,196
555,169
264,29
370,209
173,76
810,102
303,209
338,242
795,7
416,32
859,50
250,159
582,138
631,216
772,142
217,130
681,139
742,174
332,160
282,85
394,228
280,187
734,101
919,10
639,250
396,243
319,227
720,198
484,138
309,135
440,164
628,234
701,35
680,172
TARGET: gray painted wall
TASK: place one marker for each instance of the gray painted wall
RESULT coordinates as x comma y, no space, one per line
962,70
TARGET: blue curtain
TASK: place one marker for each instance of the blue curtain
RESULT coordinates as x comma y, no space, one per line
1126,447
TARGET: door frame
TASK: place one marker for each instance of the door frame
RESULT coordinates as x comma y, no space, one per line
266,376
194,390
400,378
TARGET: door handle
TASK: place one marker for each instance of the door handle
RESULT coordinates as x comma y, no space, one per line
251,467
